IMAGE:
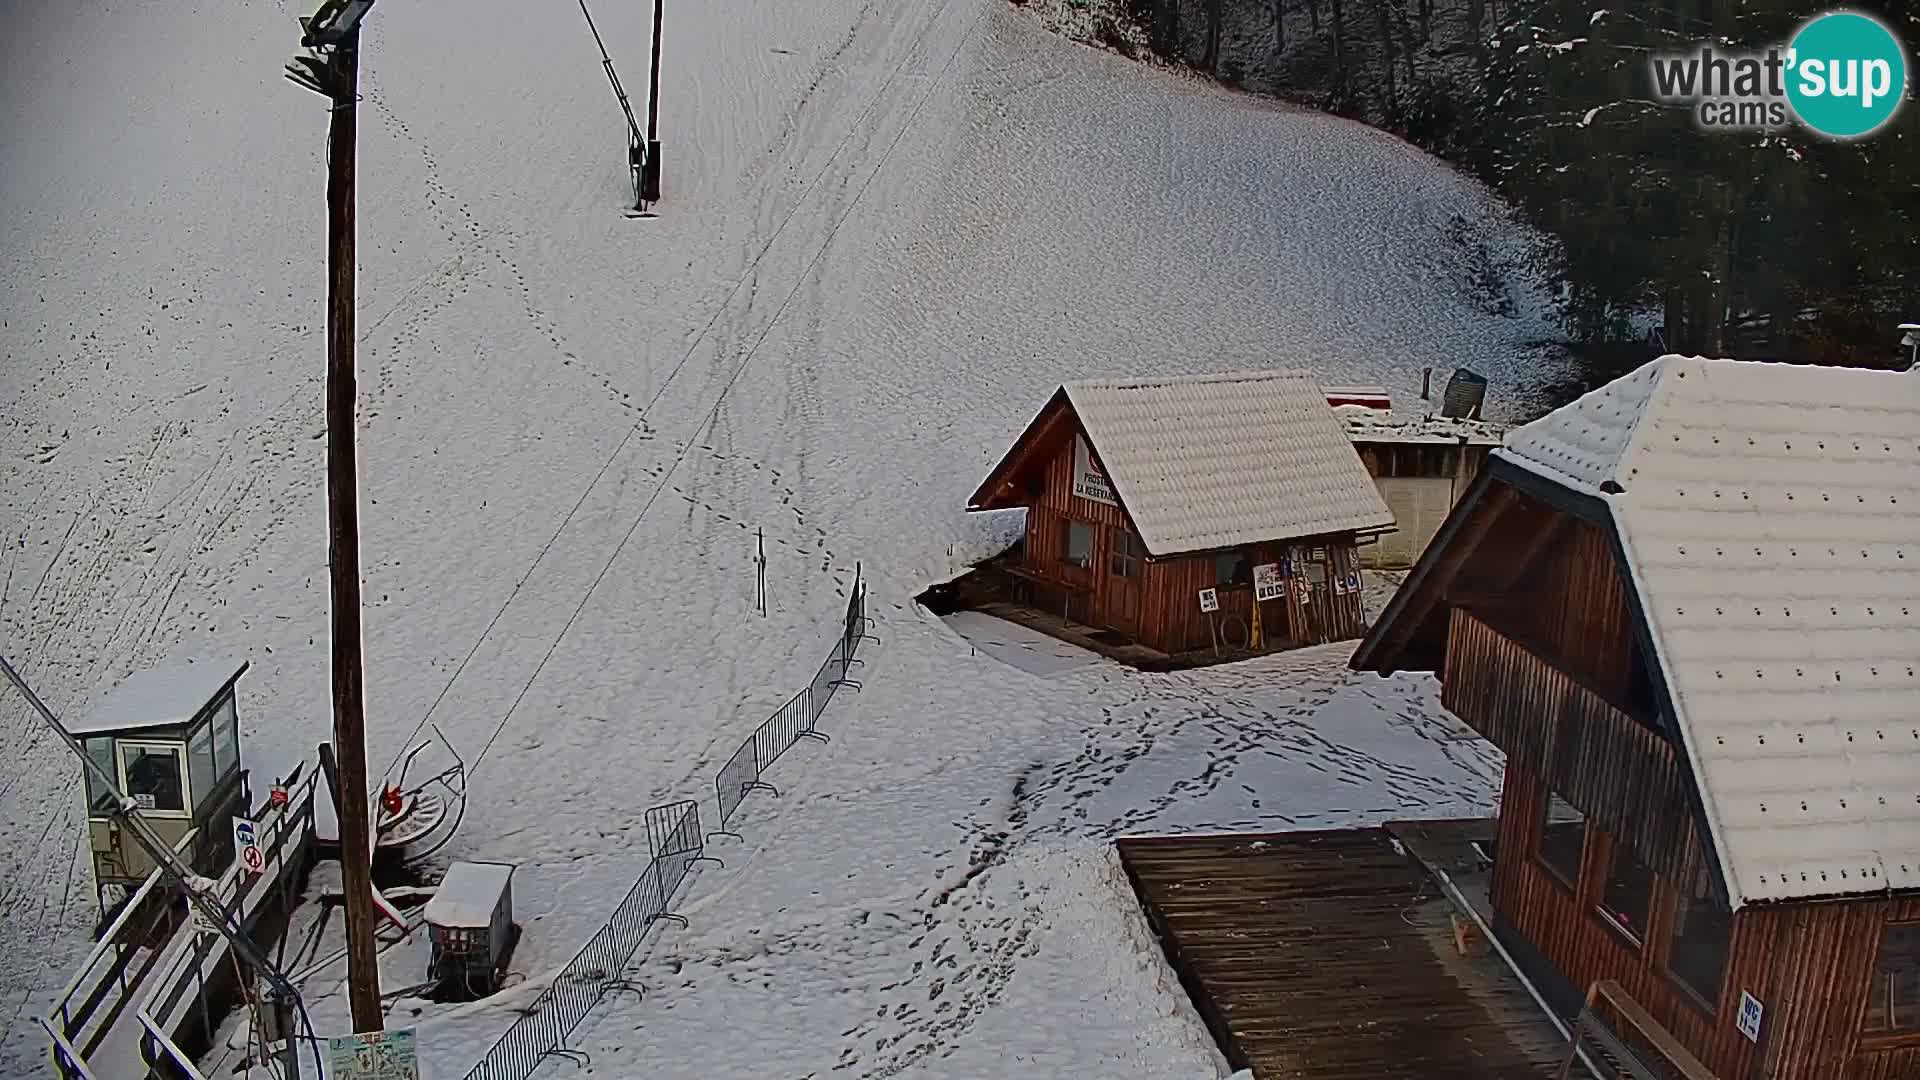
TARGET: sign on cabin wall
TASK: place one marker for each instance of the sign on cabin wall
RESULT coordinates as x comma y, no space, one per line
1209,600
1267,582
1089,479
1751,1013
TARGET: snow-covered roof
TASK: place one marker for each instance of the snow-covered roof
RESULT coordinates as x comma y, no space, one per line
1367,425
1215,461
466,897
159,697
1770,516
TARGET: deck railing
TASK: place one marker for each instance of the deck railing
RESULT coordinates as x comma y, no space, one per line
283,834
91,987
1613,1029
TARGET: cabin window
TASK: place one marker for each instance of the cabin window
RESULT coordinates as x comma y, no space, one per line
1127,553
200,763
1627,898
153,776
226,741
1232,568
99,799
1563,835
1079,544
1702,937
1893,1002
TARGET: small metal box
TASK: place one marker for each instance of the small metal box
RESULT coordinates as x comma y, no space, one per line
470,921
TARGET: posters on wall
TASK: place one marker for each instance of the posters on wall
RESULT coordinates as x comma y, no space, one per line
1267,582
1089,477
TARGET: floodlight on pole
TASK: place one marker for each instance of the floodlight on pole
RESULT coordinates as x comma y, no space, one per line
334,24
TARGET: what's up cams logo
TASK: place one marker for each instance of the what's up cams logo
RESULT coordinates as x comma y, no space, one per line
1843,75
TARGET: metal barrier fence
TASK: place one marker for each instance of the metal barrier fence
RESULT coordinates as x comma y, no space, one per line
676,842
796,719
673,832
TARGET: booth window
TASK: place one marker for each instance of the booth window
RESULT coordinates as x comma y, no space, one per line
202,769
1702,937
1893,1002
153,777
226,740
99,799
1232,568
1563,835
1079,545
1627,899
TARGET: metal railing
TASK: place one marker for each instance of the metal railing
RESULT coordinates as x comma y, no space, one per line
284,834
673,833
116,941
796,719
676,843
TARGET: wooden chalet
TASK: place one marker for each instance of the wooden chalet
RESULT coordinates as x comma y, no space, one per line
1142,494
1421,464
1687,608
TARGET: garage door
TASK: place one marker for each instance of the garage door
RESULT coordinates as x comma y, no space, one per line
1419,505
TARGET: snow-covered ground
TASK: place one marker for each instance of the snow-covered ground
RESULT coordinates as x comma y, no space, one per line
889,230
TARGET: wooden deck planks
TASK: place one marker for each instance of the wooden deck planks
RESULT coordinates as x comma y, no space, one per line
1329,956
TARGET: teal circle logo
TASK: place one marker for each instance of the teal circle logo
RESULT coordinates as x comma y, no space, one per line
1846,74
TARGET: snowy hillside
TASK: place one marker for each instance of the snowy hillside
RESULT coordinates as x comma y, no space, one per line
888,231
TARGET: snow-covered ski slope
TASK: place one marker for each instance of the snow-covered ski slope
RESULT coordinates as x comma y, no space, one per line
890,228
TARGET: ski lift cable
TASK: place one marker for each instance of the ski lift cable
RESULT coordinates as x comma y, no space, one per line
618,92
805,275
750,273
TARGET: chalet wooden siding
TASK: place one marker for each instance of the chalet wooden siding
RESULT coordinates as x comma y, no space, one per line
1587,626
1565,926
1174,604
1614,769
1810,965
1829,951
1160,606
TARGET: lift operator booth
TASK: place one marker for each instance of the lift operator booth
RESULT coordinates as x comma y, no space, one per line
171,738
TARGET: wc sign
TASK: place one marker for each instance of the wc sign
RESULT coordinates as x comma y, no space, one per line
246,846
1842,75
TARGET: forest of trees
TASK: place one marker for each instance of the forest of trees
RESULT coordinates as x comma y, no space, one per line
1764,245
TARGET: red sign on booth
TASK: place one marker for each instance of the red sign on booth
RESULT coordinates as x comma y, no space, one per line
277,797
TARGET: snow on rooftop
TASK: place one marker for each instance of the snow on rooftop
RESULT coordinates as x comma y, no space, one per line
1369,425
1213,461
468,894
159,697
1770,515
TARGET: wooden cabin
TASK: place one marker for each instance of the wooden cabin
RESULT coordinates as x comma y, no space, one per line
1422,465
1687,608
1141,495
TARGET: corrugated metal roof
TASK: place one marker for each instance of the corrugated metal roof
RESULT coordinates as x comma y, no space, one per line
1366,425
1770,515
1214,461
160,697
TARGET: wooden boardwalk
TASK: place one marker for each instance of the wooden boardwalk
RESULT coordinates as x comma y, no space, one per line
1330,956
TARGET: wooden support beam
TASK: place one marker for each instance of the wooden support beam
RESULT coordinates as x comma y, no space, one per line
1429,586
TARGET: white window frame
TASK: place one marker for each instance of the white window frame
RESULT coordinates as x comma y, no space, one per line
179,752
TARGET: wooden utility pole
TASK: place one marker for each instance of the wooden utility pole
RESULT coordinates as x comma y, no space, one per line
343,547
